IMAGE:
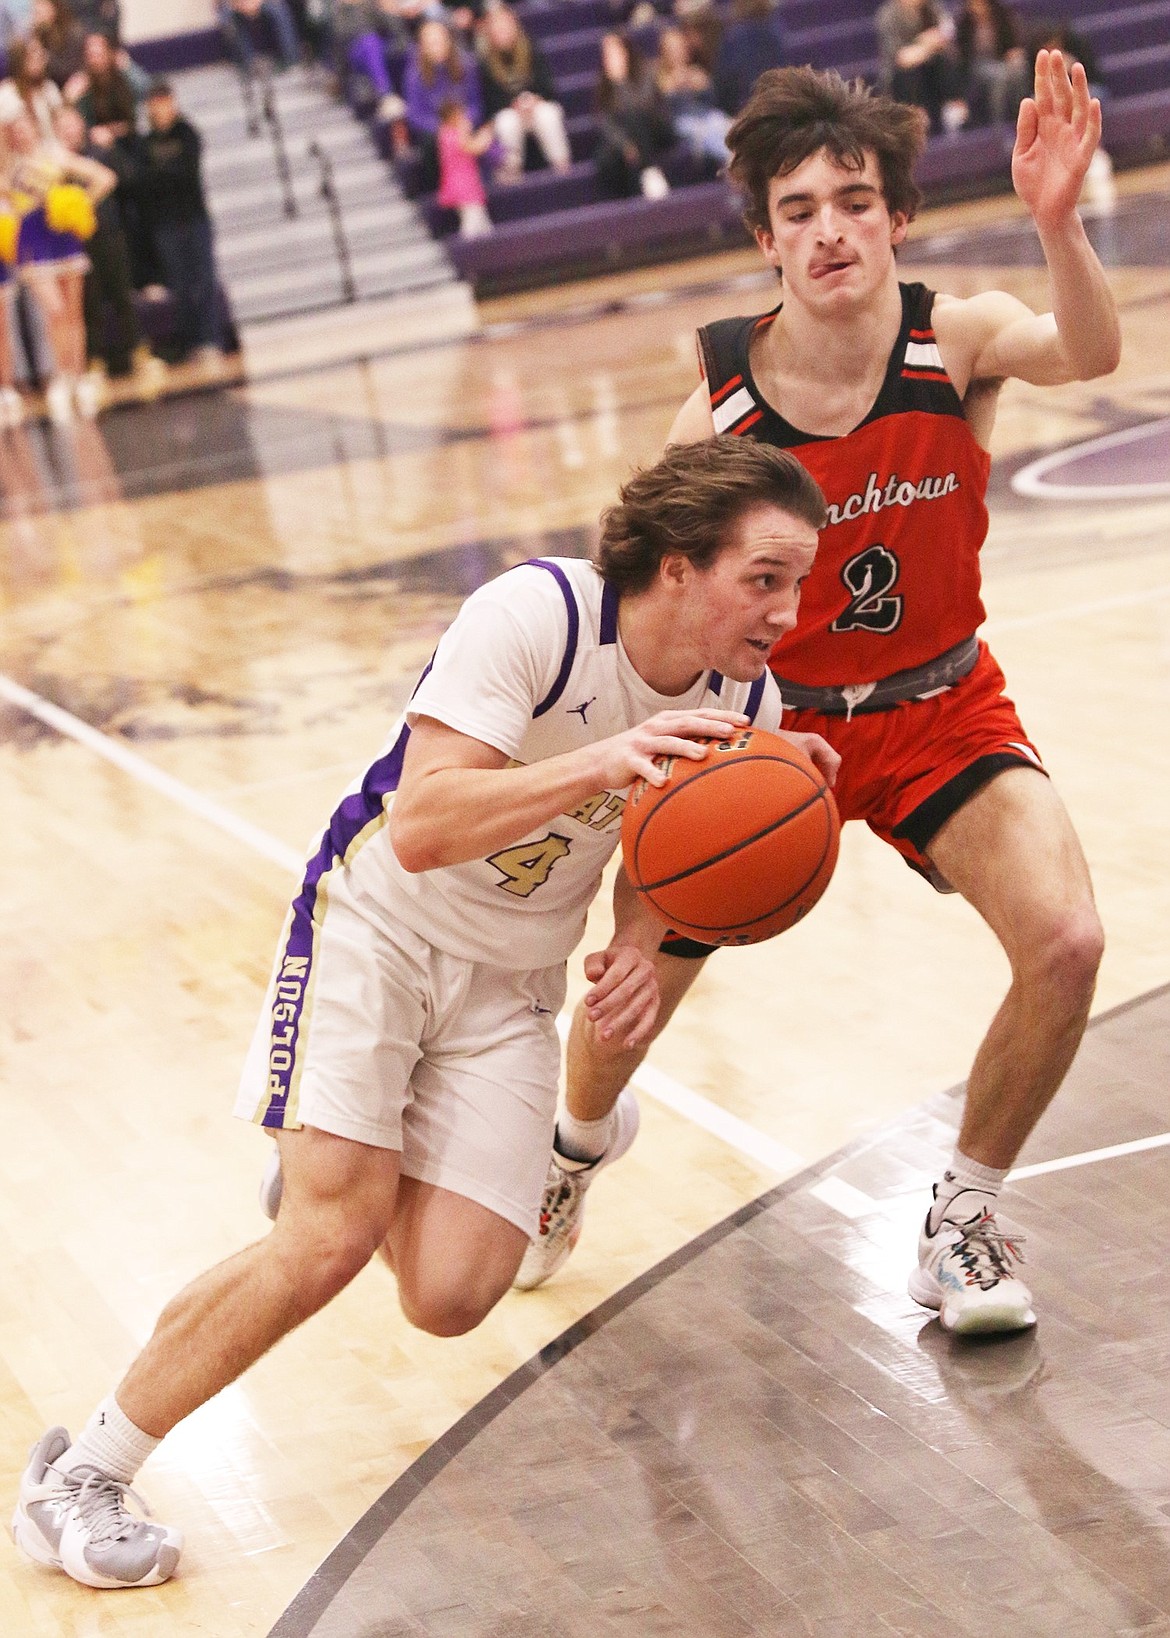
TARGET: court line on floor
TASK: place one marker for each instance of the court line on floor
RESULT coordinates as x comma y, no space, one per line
203,807
1041,1168
1090,1157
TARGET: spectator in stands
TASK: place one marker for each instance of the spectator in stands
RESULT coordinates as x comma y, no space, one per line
914,40
62,189
169,187
311,20
237,18
752,42
519,97
104,16
62,36
1047,34
636,129
114,344
437,71
363,33
103,94
28,88
686,90
994,71
703,31
460,183
11,403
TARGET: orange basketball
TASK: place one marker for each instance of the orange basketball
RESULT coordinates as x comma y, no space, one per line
736,848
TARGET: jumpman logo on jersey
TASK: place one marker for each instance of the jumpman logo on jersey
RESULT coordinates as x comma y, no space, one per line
581,710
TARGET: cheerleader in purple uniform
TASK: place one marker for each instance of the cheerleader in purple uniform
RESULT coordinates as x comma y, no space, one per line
55,192
11,403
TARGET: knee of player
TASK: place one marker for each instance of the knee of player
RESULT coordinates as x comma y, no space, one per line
319,1259
1069,953
445,1308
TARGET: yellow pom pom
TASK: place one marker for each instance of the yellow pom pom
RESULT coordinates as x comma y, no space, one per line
69,209
9,233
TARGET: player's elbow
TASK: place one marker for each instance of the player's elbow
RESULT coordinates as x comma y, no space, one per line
1098,355
415,844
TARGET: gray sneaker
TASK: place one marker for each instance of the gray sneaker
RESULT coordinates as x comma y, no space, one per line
562,1207
78,1522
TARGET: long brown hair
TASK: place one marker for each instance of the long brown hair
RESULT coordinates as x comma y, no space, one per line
514,67
56,34
689,502
793,113
18,65
454,63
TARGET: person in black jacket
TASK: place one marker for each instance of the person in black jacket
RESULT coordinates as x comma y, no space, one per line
169,186
635,125
519,97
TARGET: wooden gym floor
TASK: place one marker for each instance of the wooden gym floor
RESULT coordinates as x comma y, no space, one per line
233,592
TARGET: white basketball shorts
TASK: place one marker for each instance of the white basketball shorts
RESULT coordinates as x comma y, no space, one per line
371,1033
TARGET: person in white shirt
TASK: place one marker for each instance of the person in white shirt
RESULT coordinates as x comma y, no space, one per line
407,1057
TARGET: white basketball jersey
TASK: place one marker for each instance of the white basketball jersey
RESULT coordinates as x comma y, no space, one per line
534,666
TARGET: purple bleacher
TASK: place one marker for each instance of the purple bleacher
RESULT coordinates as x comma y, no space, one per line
547,225
575,53
598,236
537,194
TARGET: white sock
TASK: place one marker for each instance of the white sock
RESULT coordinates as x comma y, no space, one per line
110,1442
582,1140
979,1185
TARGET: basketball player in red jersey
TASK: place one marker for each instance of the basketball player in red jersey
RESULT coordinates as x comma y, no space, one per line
887,393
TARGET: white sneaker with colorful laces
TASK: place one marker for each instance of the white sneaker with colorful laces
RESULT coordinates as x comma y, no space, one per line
562,1207
966,1271
77,1521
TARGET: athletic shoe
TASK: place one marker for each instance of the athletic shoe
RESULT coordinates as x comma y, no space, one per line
272,1185
89,394
563,1205
79,1522
11,407
59,400
966,1271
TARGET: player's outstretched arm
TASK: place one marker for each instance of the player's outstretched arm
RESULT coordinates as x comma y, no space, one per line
458,799
1058,132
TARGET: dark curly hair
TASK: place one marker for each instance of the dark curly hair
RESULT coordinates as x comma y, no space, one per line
792,113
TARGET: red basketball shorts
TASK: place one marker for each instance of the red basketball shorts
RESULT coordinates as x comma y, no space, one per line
906,770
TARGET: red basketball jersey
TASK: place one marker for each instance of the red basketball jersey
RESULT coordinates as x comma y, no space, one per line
896,577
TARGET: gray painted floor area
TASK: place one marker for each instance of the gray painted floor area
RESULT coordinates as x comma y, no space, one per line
766,1436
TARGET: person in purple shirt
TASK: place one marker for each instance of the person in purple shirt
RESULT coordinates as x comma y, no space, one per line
438,72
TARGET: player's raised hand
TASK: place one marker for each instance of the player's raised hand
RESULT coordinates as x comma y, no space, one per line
1057,134
632,755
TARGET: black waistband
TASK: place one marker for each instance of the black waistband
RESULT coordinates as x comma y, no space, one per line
918,683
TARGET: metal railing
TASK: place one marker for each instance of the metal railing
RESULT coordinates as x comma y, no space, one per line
328,192
261,106
270,109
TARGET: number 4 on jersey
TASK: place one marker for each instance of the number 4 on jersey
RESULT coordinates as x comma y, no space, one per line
526,866
871,577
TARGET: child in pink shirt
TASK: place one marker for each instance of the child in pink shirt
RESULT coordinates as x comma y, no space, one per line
460,184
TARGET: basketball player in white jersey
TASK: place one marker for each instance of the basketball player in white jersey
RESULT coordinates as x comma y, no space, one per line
407,1057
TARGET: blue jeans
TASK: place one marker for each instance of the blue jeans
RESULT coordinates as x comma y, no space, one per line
188,264
237,33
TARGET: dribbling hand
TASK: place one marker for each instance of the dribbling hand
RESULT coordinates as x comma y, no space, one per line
631,755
